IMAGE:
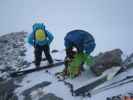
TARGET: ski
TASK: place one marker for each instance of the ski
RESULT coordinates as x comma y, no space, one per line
107,75
125,65
44,59
83,91
112,85
23,72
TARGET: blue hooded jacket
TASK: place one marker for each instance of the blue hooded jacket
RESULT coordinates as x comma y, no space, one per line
81,39
33,41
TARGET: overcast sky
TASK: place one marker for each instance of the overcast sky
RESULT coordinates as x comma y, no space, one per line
109,21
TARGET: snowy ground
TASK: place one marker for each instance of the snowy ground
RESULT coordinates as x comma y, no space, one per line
44,85
59,89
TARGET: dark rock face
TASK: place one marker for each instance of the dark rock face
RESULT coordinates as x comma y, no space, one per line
6,90
41,85
12,53
12,50
106,60
41,96
50,96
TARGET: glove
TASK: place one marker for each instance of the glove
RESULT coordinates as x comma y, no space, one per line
67,59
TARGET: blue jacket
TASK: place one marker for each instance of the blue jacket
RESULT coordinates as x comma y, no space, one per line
83,40
47,41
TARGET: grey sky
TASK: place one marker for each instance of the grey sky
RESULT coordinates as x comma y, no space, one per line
110,21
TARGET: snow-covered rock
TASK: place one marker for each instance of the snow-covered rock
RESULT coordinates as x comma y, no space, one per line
106,60
42,85
12,50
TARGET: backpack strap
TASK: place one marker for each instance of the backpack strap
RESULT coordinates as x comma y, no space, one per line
46,33
34,39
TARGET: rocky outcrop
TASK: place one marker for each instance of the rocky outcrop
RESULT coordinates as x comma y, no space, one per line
50,96
106,60
12,51
27,93
7,88
36,92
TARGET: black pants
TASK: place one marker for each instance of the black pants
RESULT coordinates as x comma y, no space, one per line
38,54
70,54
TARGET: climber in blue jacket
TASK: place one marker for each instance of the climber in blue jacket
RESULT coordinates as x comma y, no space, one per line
41,39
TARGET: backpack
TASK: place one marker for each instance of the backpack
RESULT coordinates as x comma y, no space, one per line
39,32
40,35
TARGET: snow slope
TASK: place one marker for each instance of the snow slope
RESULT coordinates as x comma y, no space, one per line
59,88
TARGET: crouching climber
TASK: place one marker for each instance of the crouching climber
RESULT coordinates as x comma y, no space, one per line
78,45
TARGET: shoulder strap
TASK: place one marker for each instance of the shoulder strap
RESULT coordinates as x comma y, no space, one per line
34,39
46,33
